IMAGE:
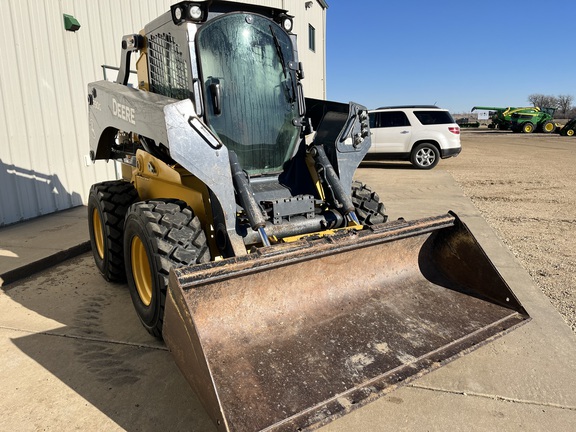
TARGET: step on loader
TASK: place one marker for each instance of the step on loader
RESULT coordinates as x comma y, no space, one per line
284,294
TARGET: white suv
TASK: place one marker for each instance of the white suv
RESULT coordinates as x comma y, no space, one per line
421,134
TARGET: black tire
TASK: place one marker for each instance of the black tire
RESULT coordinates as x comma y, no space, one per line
159,235
369,209
425,156
527,127
108,203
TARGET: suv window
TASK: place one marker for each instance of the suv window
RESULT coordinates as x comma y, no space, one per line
388,119
434,117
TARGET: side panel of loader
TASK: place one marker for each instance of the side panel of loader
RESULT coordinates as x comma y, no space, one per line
288,339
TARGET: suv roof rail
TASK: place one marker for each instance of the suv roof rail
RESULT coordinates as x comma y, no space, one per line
408,106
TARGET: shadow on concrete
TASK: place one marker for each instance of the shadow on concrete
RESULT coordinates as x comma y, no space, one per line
26,194
100,351
383,164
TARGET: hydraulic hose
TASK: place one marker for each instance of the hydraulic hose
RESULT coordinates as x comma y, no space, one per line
341,198
246,198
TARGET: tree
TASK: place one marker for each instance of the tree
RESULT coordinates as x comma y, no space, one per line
565,103
543,101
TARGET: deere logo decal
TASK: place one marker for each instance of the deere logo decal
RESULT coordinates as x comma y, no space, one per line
123,111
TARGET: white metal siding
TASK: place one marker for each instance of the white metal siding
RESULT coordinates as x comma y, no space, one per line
314,61
44,74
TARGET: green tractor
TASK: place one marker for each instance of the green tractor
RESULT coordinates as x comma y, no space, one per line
534,119
501,117
522,119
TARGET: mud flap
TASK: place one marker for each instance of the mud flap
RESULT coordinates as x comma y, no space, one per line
295,335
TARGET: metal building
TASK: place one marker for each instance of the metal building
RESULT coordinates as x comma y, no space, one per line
47,62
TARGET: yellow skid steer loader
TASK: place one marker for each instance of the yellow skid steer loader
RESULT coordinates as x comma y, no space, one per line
282,291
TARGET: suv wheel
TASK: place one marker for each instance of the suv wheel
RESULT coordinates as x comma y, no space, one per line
425,156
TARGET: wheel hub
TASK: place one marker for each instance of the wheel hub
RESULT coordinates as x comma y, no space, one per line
141,270
426,158
98,233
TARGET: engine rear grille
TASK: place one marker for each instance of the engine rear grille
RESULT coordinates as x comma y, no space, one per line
168,70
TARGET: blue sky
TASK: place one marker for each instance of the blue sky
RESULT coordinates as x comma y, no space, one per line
456,54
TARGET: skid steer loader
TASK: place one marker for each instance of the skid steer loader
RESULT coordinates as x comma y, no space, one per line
282,291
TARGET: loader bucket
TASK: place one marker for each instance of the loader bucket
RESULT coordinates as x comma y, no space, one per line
292,336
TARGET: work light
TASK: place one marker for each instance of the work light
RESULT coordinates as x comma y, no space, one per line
187,11
195,12
285,21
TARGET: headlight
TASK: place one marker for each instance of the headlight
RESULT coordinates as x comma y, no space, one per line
287,24
195,12
285,21
178,13
188,11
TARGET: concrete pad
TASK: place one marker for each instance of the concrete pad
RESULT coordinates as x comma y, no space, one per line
73,300
53,383
75,357
34,245
419,409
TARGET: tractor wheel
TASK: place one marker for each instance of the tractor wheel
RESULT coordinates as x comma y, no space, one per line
159,235
527,127
548,127
425,156
108,203
369,209
570,132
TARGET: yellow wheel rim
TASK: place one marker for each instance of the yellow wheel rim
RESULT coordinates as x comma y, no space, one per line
141,270
98,233
528,128
570,132
549,127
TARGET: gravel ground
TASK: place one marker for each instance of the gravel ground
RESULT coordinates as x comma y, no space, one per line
525,187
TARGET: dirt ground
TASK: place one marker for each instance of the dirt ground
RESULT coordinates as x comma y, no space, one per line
525,187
